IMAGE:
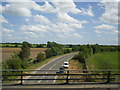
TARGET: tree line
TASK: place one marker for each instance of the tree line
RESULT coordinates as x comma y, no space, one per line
86,50
22,61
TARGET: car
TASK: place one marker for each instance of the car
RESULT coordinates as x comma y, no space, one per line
66,65
61,70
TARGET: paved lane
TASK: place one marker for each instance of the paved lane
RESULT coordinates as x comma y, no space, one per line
53,65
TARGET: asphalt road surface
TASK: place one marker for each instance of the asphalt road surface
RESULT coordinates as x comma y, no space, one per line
53,65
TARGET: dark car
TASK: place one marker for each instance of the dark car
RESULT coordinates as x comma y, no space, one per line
61,70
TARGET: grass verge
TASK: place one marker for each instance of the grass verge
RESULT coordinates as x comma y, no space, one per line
102,61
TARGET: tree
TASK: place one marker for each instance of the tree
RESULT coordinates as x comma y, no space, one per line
25,53
40,57
13,63
80,57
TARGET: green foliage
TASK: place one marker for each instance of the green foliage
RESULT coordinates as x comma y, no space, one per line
40,46
75,48
80,57
25,53
101,61
96,48
67,51
40,57
54,44
54,51
14,63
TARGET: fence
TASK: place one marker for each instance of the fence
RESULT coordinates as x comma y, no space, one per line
55,76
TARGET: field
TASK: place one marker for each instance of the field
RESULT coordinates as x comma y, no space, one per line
100,61
6,52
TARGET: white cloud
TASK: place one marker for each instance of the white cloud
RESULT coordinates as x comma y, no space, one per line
3,20
70,35
88,11
116,31
0,9
84,22
30,34
65,17
65,27
35,28
21,8
105,27
98,31
26,19
76,35
46,8
16,9
5,30
41,18
65,7
110,14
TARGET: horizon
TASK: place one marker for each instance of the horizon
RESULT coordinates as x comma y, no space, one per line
59,43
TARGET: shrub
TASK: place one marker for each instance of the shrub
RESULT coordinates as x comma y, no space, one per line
80,57
40,57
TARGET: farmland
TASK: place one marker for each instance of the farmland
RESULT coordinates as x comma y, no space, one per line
6,52
105,60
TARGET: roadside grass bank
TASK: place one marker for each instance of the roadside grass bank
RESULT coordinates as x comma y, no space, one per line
99,61
103,61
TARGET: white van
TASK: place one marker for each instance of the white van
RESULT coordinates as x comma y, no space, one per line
66,65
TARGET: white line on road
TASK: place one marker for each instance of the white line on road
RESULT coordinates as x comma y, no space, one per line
58,62
50,68
42,77
55,80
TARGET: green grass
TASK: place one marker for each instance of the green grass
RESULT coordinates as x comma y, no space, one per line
102,61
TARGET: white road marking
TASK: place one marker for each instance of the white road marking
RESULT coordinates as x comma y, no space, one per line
55,80
42,77
58,62
50,68
54,64
39,81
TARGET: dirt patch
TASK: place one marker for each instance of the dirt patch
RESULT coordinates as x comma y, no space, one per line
74,65
7,52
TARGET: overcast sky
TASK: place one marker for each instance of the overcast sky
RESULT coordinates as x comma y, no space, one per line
62,22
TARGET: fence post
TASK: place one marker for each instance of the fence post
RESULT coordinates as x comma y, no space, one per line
67,81
108,77
21,78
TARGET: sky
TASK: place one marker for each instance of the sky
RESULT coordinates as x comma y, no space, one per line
62,22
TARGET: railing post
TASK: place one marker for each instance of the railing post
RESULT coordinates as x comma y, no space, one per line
108,77
21,78
67,81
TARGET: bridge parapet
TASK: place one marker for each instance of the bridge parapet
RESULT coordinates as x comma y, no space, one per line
66,77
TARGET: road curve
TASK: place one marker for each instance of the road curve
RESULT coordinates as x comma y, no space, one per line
52,65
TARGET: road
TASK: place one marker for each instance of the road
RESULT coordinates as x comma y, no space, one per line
53,65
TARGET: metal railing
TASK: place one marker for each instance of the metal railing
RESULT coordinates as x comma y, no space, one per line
67,76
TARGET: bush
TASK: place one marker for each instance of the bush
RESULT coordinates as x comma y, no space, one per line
67,51
14,63
80,57
40,57
54,51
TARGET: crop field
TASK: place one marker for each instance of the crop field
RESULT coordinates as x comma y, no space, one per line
106,60
7,52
